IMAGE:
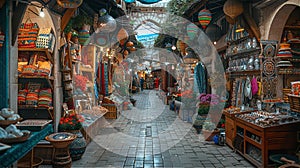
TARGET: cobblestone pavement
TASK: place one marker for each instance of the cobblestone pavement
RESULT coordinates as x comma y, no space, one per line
151,135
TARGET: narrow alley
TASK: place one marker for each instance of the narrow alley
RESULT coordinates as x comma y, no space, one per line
151,135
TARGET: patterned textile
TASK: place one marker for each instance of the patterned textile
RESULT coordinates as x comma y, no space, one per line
45,98
22,96
27,35
32,97
200,76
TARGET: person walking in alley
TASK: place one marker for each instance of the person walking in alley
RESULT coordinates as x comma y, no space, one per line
142,83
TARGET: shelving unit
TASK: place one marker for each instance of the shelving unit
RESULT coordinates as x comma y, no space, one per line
35,111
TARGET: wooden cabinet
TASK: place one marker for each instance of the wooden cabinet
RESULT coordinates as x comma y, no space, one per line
230,129
258,143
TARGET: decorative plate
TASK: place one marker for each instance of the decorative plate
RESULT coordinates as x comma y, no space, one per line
23,138
269,68
269,50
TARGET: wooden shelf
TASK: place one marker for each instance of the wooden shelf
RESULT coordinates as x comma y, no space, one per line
37,79
244,53
292,27
243,73
34,107
46,50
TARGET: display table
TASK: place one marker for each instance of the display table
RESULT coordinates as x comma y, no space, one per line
257,143
18,150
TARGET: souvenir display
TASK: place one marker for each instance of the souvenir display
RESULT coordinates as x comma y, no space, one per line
33,124
266,119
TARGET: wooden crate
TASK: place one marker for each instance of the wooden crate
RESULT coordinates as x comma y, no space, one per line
294,102
112,111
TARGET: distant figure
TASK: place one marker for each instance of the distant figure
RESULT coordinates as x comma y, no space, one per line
142,84
156,82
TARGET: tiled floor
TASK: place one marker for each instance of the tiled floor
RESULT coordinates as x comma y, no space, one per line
150,135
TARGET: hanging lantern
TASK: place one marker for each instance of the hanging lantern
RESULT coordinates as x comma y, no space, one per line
69,3
84,34
105,23
122,36
204,18
181,46
233,8
230,20
129,44
192,30
213,31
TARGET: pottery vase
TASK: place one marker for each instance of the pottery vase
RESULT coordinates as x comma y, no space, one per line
78,146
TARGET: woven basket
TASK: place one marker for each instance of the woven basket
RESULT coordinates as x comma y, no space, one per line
5,123
15,140
294,102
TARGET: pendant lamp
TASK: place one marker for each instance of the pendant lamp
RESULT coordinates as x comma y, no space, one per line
191,57
233,8
213,31
69,3
204,18
122,36
192,30
106,23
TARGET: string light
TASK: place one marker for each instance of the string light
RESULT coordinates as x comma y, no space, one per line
42,13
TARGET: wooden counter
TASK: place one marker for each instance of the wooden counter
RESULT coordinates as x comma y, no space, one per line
257,143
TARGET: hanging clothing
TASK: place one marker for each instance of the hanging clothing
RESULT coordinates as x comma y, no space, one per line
200,76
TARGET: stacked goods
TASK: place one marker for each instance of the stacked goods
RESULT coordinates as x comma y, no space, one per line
32,97
27,36
45,98
45,39
22,96
284,51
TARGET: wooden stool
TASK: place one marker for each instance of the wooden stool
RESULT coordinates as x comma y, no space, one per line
61,142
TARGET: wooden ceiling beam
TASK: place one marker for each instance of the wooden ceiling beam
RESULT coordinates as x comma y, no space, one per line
189,13
66,18
252,24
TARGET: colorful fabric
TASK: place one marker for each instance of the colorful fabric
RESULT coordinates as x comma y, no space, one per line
200,76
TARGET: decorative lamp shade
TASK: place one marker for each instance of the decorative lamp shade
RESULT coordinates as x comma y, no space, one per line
84,35
213,31
69,3
204,18
122,36
192,30
230,20
233,8
191,57
129,44
106,23
181,46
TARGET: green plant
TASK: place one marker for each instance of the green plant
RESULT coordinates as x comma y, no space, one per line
209,126
198,120
70,122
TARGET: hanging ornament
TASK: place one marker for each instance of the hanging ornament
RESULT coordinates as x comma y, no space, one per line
133,49
84,34
105,23
192,30
129,44
122,36
233,8
230,20
69,3
204,18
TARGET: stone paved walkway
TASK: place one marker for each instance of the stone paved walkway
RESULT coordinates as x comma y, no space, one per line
150,135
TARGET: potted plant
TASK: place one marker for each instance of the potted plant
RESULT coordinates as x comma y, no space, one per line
72,123
209,130
197,122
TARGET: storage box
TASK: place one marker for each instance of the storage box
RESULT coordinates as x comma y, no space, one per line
294,102
112,111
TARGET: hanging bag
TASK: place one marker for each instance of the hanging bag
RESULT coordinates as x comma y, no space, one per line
27,35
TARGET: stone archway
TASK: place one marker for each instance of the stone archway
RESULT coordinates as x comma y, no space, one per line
277,21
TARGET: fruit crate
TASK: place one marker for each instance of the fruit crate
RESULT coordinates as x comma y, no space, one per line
294,102
112,111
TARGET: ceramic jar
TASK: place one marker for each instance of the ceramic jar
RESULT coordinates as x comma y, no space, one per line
78,146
